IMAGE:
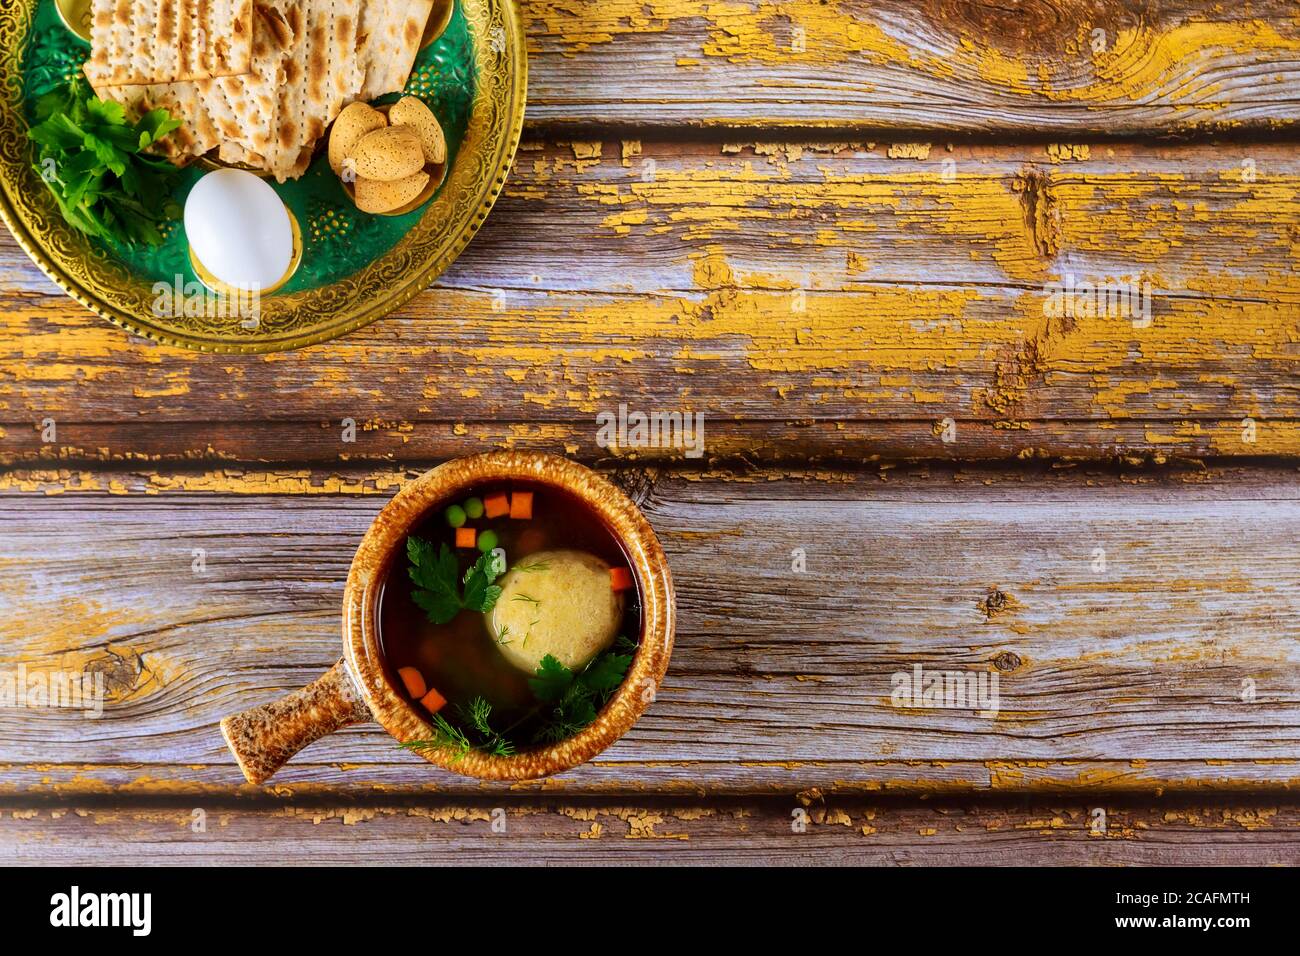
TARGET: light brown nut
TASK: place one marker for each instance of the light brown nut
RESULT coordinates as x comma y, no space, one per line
356,120
388,154
377,195
411,111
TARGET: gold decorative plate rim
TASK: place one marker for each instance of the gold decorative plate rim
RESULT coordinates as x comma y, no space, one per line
365,296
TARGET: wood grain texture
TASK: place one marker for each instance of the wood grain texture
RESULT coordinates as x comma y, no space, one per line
1130,676
815,300
1080,66
657,831
831,226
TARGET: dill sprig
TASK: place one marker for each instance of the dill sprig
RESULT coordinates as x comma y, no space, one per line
446,736
477,715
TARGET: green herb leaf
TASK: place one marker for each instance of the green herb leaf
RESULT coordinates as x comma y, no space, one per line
447,736
477,715
480,593
57,132
437,590
551,681
434,575
577,698
153,126
606,672
579,708
108,112
89,157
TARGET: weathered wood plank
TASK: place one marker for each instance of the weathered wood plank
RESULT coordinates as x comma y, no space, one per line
1171,65
1240,832
1131,672
307,778
418,444
824,293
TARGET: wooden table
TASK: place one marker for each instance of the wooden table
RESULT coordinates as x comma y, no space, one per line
834,228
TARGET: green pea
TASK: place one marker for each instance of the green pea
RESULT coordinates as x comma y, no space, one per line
487,540
455,516
474,508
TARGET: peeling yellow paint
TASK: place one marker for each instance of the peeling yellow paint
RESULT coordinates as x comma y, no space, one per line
1136,62
1062,152
909,151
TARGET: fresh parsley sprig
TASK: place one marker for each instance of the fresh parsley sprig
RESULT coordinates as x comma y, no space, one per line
437,591
94,163
575,698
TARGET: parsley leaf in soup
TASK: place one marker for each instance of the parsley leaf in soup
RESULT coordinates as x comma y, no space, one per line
480,593
576,698
437,588
606,672
551,680
434,575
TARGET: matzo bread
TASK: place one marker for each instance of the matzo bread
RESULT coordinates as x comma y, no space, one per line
235,113
251,102
389,42
321,75
143,42
300,63
282,146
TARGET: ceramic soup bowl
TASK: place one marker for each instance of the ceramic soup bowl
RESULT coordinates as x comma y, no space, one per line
357,690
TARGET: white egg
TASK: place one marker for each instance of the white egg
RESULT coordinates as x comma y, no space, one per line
238,229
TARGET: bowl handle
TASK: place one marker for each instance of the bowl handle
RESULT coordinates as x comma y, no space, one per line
263,738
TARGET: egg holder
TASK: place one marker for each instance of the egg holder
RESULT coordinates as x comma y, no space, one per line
357,689
221,288
75,15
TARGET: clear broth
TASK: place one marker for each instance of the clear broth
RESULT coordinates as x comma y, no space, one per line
461,658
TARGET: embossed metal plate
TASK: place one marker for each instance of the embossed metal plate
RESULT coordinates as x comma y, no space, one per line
355,267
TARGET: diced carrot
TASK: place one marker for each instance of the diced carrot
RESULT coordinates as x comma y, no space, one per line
413,680
465,537
433,701
521,505
620,579
494,506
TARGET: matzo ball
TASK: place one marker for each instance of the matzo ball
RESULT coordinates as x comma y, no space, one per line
559,603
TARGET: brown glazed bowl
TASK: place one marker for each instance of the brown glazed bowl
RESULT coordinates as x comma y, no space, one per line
356,690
